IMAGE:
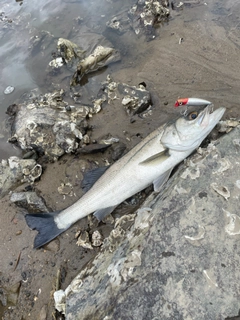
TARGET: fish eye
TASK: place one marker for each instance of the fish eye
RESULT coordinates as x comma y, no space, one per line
193,115
180,103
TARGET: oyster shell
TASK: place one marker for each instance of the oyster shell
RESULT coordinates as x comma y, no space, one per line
97,239
69,50
83,240
100,57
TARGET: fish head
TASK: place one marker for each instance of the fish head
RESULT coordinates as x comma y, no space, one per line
188,131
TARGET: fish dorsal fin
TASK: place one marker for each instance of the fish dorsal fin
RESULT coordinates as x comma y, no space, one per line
156,158
91,176
159,182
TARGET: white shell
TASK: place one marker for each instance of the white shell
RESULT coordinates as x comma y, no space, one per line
56,63
9,90
83,240
97,239
222,190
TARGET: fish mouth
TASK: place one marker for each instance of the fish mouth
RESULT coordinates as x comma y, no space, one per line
207,120
204,115
209,116
206,111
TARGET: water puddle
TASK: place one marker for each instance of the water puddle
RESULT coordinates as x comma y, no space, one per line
28,36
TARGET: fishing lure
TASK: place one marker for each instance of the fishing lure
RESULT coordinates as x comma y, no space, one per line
192,102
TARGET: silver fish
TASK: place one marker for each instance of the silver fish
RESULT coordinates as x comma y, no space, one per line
151,161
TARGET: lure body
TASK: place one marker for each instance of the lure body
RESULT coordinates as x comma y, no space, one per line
192,102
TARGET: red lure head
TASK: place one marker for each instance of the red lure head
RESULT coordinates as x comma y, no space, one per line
181,102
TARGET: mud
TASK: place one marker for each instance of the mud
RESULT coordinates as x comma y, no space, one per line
195,54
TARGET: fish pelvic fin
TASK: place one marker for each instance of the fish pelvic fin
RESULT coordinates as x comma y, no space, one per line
156,159
160,181
45,225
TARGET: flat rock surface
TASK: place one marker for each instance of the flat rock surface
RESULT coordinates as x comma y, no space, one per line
180,258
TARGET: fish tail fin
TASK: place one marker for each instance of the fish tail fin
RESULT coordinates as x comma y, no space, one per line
46,226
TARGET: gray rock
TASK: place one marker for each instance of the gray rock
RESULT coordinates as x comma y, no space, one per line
180,257
143,17
16,171
29,200
48,126
134,99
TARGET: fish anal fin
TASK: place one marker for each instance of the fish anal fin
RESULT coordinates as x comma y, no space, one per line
102,213
45,225
156,159
159,182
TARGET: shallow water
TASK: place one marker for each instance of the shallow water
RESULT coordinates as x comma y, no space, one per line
24,67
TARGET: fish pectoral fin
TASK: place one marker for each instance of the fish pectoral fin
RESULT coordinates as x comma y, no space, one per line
102,213
159,182
156,158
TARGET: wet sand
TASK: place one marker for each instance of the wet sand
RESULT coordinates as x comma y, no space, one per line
205,64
